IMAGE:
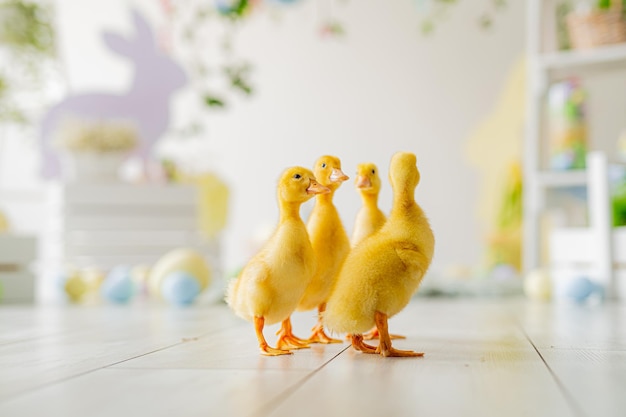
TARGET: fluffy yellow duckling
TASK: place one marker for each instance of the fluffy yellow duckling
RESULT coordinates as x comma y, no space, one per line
330,241
271,284
369,218
382,273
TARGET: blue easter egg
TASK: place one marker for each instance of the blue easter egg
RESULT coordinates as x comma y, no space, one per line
180,288
504,272
581,288
118,287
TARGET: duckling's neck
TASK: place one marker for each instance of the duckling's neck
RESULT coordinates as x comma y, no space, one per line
289,211
370,201
402,202
326,198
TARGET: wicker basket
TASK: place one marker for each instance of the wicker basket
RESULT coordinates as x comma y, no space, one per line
597,27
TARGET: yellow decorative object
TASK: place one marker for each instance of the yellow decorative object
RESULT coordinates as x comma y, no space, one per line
505,241
495,148
179,260
81,285
537,285
75,287
4,223
213,196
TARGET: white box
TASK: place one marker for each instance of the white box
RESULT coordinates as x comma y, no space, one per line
17,254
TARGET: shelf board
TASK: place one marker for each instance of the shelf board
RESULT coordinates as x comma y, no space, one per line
554,179
584,57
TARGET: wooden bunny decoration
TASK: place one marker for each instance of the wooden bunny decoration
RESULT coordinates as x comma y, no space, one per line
145,103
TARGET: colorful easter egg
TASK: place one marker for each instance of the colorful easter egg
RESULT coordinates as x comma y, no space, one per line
581,289
537,285
180,288
118,286
185,260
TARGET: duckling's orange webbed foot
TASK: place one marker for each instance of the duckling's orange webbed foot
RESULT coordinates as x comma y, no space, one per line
270,351
259,323
318,334
384,346
360,345
287,340
375,334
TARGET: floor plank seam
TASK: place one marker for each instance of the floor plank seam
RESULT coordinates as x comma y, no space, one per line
26,340
144,354
281,397
81,374
576,408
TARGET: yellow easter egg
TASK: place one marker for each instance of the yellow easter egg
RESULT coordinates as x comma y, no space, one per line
185,260
537,285
76,287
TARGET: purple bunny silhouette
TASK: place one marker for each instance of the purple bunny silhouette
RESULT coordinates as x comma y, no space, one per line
146,103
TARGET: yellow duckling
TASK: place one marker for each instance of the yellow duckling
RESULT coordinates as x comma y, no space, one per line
369,218
330,241
382,273
271,284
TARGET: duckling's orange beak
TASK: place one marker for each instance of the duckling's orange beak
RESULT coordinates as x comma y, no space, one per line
363,181
338,176
317,188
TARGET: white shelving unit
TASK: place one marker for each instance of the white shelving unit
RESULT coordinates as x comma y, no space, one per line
597,57
598,250
546,64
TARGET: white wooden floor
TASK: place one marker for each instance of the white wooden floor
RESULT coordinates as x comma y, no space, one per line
483,358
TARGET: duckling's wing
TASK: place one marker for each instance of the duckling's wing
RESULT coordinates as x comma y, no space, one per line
414,259
251,294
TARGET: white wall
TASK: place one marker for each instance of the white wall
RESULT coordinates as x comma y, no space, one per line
380,89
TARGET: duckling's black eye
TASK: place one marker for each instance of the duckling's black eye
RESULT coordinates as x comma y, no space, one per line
324,165
297,176
373,171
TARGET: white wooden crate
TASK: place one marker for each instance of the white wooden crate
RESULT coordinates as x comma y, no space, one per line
17,254
104,225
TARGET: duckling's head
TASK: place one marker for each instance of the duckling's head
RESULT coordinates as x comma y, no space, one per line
403,173
328,172
367,178
298,184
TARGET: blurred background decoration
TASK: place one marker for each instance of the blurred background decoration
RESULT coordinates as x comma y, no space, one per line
94,150
27,41
435,12
198,105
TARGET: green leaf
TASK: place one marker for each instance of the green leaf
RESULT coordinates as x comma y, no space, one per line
427,27
26,26
212,101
